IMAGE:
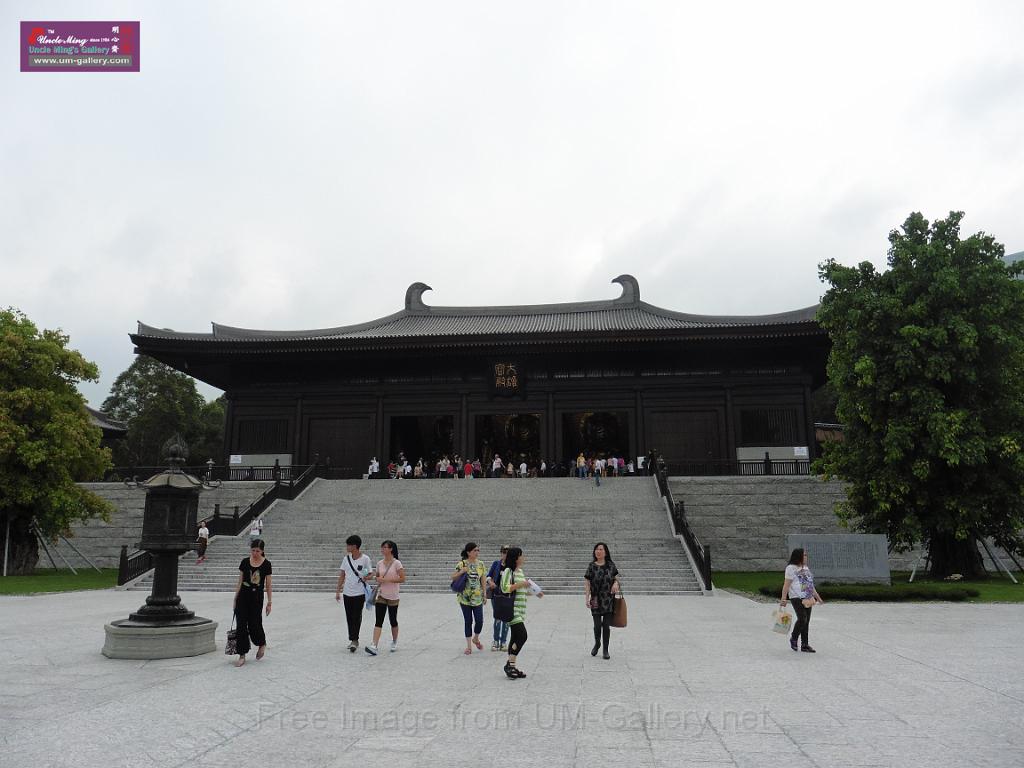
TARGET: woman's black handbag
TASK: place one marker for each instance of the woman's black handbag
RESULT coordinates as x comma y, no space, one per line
503,604
231,644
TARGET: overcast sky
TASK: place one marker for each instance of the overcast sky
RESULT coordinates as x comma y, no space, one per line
298,165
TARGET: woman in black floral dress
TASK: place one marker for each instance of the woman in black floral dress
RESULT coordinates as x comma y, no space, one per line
601,582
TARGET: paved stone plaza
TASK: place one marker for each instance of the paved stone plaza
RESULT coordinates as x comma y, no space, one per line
691,681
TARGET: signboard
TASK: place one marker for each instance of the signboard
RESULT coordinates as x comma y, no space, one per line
79,46
849,557
801,452
235,459
507,379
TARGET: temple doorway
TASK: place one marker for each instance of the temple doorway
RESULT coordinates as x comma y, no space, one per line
421,437
595,434
513,436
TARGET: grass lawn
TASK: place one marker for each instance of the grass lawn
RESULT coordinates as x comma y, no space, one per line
992,590
58,581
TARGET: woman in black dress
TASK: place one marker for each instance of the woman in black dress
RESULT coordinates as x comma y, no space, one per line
253,579
601,582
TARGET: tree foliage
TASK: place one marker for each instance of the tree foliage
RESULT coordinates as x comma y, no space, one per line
157,402
46,437
209,442
927,363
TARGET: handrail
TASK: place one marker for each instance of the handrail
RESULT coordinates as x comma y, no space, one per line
741,467
701,554
286,486
132,566
223,525
229,472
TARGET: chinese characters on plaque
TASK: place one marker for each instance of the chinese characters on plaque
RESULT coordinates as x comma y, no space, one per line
506,378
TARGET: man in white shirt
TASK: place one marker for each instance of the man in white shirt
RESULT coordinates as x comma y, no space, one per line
353,587
522,469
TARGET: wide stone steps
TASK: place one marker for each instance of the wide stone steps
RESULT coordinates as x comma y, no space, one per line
555,521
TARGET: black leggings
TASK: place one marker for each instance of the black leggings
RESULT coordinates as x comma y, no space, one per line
354,614
602,629
803,621
249,617
390,610
518,633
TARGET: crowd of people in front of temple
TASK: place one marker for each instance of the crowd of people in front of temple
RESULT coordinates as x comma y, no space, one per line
456,467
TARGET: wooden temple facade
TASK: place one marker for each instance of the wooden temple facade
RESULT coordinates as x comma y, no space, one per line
617,377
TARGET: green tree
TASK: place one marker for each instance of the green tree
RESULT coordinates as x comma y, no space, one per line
210,441
156,402
927,362
46,439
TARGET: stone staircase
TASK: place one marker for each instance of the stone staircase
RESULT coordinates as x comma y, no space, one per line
101,541
555,520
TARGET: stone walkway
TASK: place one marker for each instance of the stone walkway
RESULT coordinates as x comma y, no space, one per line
692,681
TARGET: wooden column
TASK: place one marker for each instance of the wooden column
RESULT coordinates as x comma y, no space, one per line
379,440
229,428
730,426
297,441
549,443
809,423
464,446
640,446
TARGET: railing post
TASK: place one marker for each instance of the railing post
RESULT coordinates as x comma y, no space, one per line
122,565
767,463
707,566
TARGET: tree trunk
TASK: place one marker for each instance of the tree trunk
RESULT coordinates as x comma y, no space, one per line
950,555
23,551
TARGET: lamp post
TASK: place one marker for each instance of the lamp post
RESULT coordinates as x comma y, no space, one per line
164,628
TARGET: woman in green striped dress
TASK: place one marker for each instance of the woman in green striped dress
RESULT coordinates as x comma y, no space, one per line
514,581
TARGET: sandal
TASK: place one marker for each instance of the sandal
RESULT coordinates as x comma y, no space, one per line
468,652
240,662
478,644
262,650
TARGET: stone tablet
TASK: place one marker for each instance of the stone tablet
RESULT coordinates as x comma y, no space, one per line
844,557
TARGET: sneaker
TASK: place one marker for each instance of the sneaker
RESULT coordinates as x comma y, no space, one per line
511,672
371,649
519,672
352,645
808,649
792,643
502,647
394,646
495,646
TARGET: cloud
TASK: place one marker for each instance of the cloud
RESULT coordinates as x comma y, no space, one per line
299,166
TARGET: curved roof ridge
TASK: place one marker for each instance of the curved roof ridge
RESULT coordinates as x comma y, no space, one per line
804,314
626,312
232,332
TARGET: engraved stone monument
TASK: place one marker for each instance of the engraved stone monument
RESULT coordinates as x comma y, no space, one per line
859,558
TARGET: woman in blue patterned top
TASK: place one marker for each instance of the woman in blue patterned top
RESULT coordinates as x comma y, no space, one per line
798,588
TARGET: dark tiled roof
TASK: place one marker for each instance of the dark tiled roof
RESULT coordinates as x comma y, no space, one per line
104,422
624,314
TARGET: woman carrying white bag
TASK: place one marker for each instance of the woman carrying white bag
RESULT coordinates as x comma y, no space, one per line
798,587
